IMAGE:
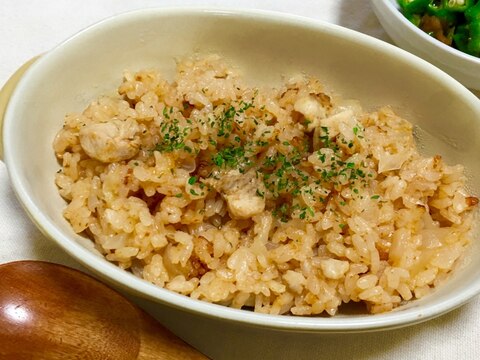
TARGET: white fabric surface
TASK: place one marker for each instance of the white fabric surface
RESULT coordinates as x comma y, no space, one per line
30,27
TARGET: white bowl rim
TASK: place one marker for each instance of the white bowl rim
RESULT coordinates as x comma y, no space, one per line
448,49
149,291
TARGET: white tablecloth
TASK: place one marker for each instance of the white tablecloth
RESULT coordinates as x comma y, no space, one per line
29,27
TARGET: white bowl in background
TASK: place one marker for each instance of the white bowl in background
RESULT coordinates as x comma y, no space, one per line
265,46
464,67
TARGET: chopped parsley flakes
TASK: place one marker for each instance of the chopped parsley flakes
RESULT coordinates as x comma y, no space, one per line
285,173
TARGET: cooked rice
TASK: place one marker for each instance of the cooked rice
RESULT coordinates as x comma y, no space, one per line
286,200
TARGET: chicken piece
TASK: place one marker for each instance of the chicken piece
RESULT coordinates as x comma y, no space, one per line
240,193
334,269
313,110
244,205
111,141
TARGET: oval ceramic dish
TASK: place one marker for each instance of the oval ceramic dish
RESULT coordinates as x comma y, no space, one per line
265,46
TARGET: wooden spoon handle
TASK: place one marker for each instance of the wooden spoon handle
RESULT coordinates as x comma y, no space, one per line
156,342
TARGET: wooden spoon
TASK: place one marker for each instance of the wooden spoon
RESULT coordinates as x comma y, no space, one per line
49,311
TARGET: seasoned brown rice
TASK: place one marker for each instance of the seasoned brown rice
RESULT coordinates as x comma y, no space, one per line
286,200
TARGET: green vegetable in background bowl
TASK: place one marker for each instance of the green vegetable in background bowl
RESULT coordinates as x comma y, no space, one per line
453,22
